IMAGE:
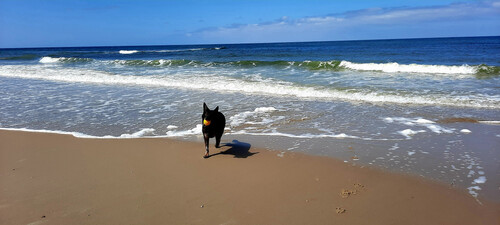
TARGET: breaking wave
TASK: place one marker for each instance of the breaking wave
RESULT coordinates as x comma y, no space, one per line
409,68
170,50
48,59
479,70
223,84
126,52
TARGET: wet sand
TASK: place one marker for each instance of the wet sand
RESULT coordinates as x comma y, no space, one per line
59,179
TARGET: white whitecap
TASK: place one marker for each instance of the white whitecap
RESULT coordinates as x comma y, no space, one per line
126,52
265,109
423,121
409,68
172,127
48,59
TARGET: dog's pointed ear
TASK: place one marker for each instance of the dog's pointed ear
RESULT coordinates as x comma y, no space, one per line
216,109
205,107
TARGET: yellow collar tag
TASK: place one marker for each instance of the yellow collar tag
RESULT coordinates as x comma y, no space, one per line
206,122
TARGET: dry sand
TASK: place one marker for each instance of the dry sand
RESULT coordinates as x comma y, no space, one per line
60,179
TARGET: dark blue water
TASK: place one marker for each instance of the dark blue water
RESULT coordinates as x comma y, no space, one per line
431,51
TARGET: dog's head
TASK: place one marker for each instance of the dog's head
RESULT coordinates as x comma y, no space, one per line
208,114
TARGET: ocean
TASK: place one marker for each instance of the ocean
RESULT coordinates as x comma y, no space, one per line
425,107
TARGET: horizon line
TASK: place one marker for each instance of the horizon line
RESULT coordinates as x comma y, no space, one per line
250,43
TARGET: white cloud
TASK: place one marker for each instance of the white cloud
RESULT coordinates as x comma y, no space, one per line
448,12
319,20
339,26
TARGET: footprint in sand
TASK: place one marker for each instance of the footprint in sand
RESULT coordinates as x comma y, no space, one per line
345,193
340,210
359,186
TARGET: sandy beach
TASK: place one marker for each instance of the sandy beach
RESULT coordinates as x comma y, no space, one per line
59,179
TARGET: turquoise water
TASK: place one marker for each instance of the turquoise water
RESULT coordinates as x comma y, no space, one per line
382,103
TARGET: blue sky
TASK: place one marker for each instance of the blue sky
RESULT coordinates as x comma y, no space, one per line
51,23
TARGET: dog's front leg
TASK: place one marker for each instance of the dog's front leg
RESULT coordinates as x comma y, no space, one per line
206,145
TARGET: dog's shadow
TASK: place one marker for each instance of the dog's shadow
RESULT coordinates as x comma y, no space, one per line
237,148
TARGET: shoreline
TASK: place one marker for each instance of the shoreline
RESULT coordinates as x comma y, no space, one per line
347,150
49,178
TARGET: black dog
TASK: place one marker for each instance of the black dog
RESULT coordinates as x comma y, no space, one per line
213,126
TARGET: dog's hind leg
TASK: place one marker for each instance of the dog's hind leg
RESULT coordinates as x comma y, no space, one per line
217,141
206,146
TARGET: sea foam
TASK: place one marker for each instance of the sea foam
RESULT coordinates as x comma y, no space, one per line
417,122
241,118
48,60
409,132
220,83
299,136
142,133
410,68
479,180
195,131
